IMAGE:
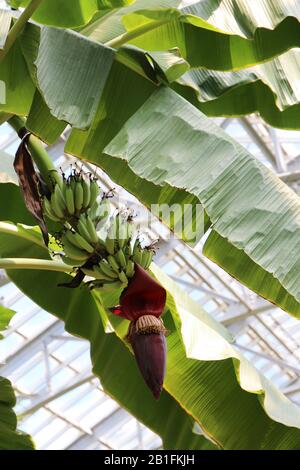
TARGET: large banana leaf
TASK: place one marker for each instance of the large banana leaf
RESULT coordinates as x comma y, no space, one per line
168,144
207,377
10,437
68,13
234,32
124,94
42,122
173,27
64,62
269,89
19,88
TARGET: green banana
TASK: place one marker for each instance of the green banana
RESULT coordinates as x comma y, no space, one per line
83,229
107,269
111,260
121,232
136,245
91,229
146,258
129,227
58,205
72,251
107,287
110,242
78,196
69,197
121,258
73,182
71,262
48,211
86,192
128,251
137,256
99,274
94,190
78,241
123,277
110,245
129,269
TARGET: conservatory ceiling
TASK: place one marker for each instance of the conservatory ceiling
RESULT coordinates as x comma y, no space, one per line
61,404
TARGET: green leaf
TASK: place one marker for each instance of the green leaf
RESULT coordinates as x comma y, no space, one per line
41,122
69,13
246,203
268,89
14,209
5,20
103,28
244,39
206,340
124,94
10,437
15,83
214,384
6,315
169,64
187,31
71,72
239,265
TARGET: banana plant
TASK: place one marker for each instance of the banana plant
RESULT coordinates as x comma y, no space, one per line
129,78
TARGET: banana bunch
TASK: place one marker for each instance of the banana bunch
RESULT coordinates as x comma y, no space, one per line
76,195
91,237
116,267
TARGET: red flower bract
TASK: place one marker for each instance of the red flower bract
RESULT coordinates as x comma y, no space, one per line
143,296
142,302
150,354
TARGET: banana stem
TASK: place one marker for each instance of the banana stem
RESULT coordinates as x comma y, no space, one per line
18,26
88,28
40,156
29,263
134,33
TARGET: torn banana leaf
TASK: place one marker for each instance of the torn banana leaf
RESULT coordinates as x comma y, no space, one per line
269,89
168,142
69,70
